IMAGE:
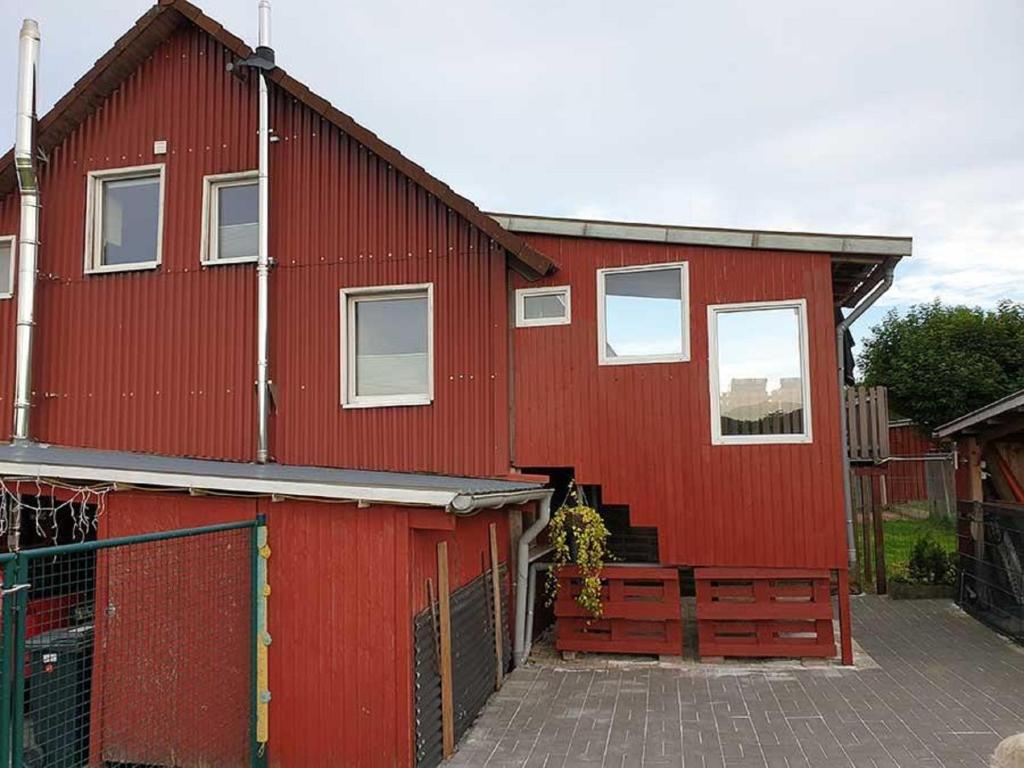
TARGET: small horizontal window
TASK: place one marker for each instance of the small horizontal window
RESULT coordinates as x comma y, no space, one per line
6,267
760,389
230,218
642,314
387,338
543,306
124,221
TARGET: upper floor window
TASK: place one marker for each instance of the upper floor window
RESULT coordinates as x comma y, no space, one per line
642,314
124,219
6,267
387,339
230,218
549,305
760,388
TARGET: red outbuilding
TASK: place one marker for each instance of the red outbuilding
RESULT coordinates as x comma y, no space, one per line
190,219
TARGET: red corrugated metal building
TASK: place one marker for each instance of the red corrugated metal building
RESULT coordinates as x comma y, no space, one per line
154,364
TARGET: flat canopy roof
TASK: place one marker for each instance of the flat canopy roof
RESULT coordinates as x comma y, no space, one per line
38,461
996,415
857,260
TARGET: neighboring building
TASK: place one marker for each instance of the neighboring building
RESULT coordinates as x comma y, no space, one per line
423,355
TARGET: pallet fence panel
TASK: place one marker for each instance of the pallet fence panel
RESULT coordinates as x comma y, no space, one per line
641,612
764,612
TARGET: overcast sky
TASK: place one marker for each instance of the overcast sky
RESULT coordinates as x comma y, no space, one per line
873,116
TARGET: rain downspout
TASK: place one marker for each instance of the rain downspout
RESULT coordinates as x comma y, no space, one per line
28,237
519,639
841,330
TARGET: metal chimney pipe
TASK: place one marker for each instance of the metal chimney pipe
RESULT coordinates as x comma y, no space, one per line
28,237
263,257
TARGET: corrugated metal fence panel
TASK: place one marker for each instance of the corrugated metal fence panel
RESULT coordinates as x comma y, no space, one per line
473,670
163,360
643,432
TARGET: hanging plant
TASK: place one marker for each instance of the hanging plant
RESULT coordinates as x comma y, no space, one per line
580,538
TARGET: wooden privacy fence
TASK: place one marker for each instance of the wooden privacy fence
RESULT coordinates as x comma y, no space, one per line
867,491
642,613
867,423
748,612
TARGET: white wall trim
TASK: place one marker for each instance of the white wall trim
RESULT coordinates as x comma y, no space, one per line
208,238
717,438
684,287
13,240
93,213
547,290
347,341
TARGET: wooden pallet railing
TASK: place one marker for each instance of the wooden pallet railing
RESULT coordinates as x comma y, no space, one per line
764,612
641,612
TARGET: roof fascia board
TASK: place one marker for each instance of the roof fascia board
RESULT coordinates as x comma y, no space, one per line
377,494
730,238
998,408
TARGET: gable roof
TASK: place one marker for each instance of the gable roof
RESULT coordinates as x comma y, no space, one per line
987,417
858,261
163,20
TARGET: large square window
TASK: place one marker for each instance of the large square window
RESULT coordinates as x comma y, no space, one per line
231,226
387,338
124,219
6,267
642,314
760,389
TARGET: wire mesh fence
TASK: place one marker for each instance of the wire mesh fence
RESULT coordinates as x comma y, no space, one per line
991,547
133,651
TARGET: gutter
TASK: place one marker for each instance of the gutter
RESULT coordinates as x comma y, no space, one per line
466,504
866,303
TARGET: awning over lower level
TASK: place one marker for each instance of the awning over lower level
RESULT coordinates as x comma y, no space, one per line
458,494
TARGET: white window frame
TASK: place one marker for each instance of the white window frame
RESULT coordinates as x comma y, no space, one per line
208,246
522,294
684,293
349,298
717,438
94,217
14,257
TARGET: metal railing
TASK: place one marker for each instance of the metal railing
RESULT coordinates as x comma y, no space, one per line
133,650
991,555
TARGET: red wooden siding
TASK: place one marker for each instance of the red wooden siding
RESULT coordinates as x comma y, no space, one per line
163,361
906,479
9,218
643,432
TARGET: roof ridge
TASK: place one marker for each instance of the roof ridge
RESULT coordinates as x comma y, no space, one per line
157,24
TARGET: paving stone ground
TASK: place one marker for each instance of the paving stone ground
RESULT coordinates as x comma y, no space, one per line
939,689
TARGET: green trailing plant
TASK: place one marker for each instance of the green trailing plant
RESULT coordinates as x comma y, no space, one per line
580,538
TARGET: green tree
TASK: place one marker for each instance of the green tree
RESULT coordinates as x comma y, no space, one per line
940,362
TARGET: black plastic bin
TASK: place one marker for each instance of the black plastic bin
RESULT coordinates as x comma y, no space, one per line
58,692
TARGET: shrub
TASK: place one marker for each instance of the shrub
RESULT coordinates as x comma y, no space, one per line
930,564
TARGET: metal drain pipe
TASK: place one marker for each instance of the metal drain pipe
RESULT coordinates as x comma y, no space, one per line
263,255
28,237
841,329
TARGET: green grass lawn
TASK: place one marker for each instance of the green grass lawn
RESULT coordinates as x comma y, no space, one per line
901,534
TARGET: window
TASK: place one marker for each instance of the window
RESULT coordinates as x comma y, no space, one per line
760,389
387,346
6,267
231,227
642,314
550,305
124,219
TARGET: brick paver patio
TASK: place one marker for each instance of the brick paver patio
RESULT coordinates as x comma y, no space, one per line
939,689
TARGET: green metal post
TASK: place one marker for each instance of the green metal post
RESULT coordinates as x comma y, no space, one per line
18,666
9,627
259,602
